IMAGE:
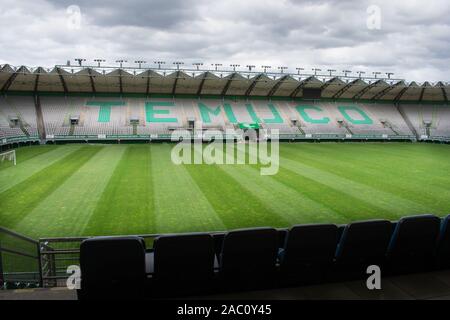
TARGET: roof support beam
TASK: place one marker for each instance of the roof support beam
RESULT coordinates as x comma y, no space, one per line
10,80
147,89
327,84
200,87
344,89
400,94
63,82
227,85
38,72
386,90
120,82
36,83
422,92
444,93
253,84
91,78
277,85
174,88
366,89
300,86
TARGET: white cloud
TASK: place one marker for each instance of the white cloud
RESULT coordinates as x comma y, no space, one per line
413,42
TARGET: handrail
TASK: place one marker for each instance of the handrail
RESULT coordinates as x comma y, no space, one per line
17,252
150,235
17,235
61,251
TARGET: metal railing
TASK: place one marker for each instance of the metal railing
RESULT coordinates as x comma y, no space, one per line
50,258
57,254
20,259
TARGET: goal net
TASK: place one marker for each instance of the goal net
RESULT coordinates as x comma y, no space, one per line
8,156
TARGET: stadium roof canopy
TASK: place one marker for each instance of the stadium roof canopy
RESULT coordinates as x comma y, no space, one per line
194,81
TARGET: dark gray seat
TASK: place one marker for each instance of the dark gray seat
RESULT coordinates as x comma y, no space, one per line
443,252
308,253
183,264
362,244
112,268
413,244
248,259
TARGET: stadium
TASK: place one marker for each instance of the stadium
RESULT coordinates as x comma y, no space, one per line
229,158
86,152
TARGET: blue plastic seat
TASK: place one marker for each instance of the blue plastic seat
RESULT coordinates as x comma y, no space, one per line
413,244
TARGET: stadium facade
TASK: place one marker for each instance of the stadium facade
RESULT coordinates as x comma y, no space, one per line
77,103
90,103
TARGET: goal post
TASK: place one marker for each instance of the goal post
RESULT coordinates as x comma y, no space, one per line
8,156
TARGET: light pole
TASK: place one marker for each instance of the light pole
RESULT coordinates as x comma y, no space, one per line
216,65
265,68
99,61
120,62
197,64
140,62
234,66
159,63
331,71
250,67
315,71
346,72
360,73
376,73
389,74
178,64
282,69
80,61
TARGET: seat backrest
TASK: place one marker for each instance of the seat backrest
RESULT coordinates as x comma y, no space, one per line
444,243
112,263
364,241
414,240
249,251
184,256
309,244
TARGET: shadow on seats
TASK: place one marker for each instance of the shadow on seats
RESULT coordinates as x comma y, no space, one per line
308,253
413,244
183,265
112,268
443,250
248,259
362,244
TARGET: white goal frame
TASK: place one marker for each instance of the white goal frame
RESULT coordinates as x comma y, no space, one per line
8,155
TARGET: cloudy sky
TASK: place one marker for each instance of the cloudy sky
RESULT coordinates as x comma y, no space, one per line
408,37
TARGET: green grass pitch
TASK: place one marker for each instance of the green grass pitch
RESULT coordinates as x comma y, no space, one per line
73,190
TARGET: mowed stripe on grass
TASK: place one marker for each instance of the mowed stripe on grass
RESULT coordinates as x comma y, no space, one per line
180,205
386,201
17,202
418,180
237,207
139,190
71,205
35,161
126,205
287,202
27,152
345,206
